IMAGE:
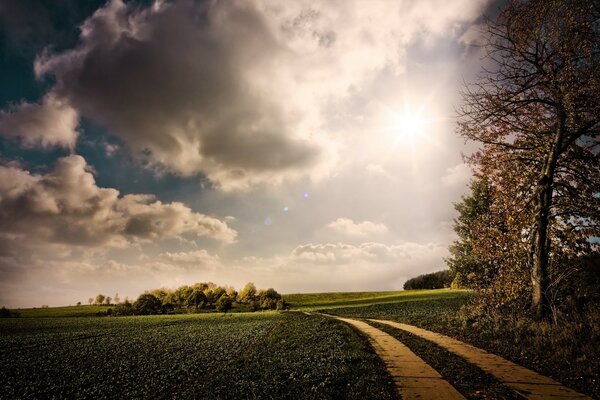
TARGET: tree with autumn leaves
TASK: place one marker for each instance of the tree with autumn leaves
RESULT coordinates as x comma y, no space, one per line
535,111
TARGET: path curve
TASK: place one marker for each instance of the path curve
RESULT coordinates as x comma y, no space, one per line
527,383
413,377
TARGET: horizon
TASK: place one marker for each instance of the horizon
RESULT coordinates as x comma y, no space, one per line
306,147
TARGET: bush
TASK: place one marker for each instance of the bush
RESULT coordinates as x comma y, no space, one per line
147,304
125,308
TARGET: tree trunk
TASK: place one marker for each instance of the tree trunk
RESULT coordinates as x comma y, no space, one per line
540,278
539,273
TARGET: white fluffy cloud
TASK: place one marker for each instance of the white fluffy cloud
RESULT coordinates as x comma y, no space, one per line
51,123
372,252
66,206
457,175
349,227
242,91
197,257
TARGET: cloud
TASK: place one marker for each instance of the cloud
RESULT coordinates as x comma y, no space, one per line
457,175
198,257
238,90
66,206
51,123
349,227
372,252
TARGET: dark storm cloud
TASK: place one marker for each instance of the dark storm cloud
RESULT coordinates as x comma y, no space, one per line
177,83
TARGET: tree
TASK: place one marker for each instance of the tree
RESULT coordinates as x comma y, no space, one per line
433,280
196,299
146,304
100,299
247,294
224,303
116,299
90,301
536,112
471,270
107,300
268,299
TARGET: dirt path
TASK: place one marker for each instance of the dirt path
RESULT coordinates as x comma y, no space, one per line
527,383
413,377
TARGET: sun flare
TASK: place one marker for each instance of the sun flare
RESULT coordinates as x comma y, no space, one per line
409,124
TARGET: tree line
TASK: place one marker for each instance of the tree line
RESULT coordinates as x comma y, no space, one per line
199,297
434,280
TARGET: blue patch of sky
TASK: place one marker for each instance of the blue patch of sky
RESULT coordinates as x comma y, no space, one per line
57,28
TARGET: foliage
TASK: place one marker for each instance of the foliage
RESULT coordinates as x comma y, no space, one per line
202,297
100,299
124,308
434,280
247,294
471,269
147,304
536,112
204,356
224,303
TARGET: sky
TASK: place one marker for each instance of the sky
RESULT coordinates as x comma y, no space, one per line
307,146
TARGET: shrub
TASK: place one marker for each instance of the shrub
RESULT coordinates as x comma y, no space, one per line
147,304
125,308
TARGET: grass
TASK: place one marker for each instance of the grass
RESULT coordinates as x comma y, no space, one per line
326,301
258,355
272,355
68,311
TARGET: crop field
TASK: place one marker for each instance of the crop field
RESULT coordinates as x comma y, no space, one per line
68,311
353,303
260,355
426,308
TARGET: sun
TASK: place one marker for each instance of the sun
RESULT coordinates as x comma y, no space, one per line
409,124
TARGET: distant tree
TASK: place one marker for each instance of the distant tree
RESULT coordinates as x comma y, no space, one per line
224,303
147,304
434,280
124,308
116,299
107,300
163,294
281,305
196,299
90,301
78,303
181,294
100,299
247,294
231,292
268,299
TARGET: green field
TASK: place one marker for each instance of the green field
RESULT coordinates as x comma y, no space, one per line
238,356
329,301
262,355
69,311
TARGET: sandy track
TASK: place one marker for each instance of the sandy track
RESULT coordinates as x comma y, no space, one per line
413,377
527,383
